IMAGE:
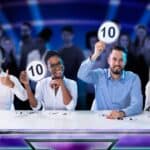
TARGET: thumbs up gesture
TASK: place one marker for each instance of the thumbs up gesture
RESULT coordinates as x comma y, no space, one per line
6,80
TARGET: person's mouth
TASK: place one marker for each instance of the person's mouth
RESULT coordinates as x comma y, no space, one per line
117,67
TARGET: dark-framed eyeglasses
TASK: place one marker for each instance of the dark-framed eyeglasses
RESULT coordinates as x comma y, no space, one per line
59,64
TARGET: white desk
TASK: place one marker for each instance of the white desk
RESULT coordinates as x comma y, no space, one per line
67,120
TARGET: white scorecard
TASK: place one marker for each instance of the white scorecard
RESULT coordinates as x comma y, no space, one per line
108,32
36,70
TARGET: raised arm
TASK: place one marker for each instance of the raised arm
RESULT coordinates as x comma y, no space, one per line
85,71
24,79
13,83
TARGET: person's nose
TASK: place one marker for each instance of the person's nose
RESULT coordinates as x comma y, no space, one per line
58,68
117,63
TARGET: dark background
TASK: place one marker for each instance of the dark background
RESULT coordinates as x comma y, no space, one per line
83,15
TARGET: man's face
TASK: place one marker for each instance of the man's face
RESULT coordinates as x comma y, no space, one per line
124,41
7,45
55,67
25,31
117,61
141,33
67,36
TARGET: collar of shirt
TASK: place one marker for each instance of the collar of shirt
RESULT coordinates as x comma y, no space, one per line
110,77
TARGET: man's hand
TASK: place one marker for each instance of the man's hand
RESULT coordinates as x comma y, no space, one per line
7,81
99,47
24,78
56,83
116,115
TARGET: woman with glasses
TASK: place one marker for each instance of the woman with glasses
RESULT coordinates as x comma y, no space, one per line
54,92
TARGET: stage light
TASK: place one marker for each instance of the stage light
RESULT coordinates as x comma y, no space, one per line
146,16
8,27
112,10
36,15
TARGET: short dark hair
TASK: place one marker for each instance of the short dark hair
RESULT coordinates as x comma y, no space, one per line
45,34
2,51
141,26
119,48
50,54
67,28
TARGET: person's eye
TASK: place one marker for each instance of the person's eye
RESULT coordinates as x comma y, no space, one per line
121,60
114,59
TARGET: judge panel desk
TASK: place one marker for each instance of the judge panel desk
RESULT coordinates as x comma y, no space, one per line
69,120
78,129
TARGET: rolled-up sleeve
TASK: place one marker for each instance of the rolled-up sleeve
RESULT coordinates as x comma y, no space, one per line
136,97
72,87
18,89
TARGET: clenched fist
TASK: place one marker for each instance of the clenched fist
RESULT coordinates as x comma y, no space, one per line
56,83
99,47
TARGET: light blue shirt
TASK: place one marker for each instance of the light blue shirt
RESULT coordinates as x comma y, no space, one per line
123,94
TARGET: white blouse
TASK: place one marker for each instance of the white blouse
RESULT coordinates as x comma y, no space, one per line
45,95
7,94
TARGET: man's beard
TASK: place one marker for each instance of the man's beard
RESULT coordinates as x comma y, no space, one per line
117,71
